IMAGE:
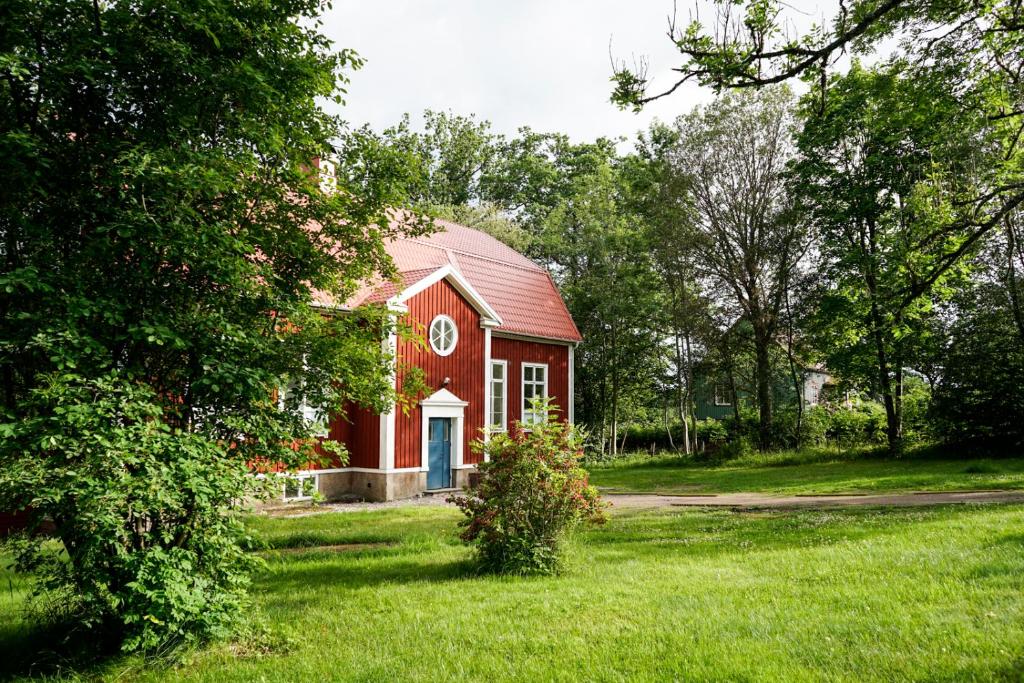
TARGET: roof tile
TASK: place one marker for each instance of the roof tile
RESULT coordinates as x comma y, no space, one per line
519,290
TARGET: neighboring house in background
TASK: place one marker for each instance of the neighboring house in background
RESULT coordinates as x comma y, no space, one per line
498,335
714,396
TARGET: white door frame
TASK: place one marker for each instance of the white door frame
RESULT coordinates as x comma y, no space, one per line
442,403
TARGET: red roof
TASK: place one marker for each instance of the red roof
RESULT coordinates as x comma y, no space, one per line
518,290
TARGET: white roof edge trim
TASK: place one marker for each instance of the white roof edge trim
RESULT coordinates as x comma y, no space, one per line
461,285
557,341
443,397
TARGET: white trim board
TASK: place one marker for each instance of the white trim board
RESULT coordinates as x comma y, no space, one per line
443,404
461,285
536,340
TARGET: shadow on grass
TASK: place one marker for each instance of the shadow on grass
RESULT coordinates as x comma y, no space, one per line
715,533
29,651
297,582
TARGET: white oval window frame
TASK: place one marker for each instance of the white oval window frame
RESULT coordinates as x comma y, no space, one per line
455,335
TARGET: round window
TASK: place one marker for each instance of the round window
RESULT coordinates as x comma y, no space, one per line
443,335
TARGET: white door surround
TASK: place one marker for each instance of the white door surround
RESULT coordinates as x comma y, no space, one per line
442,403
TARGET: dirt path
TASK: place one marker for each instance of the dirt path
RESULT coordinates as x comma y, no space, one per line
764,500
631,501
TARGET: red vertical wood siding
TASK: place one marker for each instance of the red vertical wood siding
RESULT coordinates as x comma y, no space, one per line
517,352
359,430
464,367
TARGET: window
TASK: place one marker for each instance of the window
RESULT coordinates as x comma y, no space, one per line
499,396
535,386
443,335
723,393
291,394
300,487
328,175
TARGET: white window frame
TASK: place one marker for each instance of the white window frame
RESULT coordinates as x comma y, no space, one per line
718,399
300,477
503,425
310,413
533,418
455,335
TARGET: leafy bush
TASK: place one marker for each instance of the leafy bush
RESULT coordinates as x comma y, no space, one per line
917,399
531,492
152,558
711,432
814,424
861,425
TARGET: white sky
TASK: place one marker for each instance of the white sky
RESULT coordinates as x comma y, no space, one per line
541,63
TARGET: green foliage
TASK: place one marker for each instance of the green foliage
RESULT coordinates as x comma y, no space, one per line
906,168
872,179
163,237
980,398
531,492
445,161
597,249
864,423
138,507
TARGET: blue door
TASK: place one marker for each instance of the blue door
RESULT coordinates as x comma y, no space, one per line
439,453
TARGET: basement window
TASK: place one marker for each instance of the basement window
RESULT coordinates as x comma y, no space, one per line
300,487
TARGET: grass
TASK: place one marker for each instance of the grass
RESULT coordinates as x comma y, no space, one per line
867,594
811,471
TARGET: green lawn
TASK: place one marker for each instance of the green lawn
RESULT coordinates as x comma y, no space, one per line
926,594
811,471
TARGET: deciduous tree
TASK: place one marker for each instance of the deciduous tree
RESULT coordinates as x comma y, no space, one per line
162,236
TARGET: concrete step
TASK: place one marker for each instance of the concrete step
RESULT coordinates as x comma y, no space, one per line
440,492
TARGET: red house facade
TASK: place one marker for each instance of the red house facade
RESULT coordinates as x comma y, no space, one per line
498,334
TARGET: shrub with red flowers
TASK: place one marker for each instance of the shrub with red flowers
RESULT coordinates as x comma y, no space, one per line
531,492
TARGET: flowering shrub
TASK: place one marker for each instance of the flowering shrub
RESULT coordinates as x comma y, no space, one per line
530,493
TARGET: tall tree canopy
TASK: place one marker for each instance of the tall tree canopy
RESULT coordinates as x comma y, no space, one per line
734,153
867,178
968,55
162,235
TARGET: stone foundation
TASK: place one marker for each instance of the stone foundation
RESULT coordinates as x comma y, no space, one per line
378,486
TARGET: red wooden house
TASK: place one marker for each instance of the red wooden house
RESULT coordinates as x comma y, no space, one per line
498,335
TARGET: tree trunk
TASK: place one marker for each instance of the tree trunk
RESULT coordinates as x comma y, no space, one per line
1012,247
615,395
798,384
893,433
682,392
762,344
688,396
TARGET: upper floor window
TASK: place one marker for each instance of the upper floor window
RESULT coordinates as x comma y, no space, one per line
535,386
498,419
443,335
723,393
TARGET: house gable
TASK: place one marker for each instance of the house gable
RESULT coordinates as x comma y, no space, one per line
463,368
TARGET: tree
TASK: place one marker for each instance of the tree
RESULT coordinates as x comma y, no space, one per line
733,154
968,55
866,179
449,156
163,235
600,260
979,395
663,200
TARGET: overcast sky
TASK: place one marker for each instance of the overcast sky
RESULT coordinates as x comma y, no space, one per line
541,63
